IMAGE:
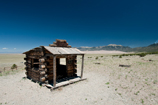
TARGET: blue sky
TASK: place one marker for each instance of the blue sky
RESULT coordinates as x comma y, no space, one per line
25,24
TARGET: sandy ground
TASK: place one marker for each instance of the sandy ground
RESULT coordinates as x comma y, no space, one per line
106,84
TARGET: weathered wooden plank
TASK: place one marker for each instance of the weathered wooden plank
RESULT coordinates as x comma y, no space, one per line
73,51
65,83
54,71
63,51
53,50
82,66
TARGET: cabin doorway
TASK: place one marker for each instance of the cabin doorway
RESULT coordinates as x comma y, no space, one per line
61,68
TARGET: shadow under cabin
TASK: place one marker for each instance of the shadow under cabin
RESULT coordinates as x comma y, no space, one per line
44,64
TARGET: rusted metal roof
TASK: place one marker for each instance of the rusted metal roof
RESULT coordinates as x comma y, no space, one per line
63,50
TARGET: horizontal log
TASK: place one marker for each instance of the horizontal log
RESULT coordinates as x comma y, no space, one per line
33,75
71,71
50,63
50,71
60,41
42,73
36,63
50,67
49,60
49,76
69,68
27,67
33,57
35,79
65,83
36,73
41,69
36,53
61,56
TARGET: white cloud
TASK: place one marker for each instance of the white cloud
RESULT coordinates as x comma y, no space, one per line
14,48
4,48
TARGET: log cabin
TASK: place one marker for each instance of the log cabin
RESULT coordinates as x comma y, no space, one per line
43,63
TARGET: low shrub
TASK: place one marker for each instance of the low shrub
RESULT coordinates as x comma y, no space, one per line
14,66
120,56
142,54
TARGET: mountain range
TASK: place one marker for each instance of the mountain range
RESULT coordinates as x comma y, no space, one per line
150,48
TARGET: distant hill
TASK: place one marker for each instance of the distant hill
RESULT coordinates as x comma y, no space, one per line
150,48
111,47
108,47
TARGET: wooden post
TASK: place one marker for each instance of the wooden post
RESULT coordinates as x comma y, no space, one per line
82,66
54,71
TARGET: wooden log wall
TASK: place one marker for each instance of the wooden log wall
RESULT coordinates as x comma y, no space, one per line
40,67
35,65
71,64
49,67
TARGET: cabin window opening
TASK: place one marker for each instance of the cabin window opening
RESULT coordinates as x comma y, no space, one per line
62,61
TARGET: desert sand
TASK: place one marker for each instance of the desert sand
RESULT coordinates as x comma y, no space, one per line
106,84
